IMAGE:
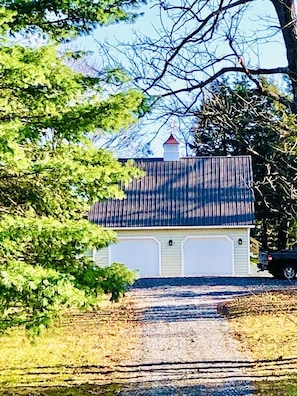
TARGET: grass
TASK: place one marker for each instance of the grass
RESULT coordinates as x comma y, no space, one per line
80,353
81,348
287,387
265,326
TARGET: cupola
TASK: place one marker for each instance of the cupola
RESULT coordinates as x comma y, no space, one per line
171,149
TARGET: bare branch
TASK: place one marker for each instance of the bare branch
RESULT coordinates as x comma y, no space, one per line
214,15
243,70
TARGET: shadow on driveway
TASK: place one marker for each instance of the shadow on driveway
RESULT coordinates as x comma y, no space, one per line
245,282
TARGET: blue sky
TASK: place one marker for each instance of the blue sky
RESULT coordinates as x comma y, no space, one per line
260,10
259,16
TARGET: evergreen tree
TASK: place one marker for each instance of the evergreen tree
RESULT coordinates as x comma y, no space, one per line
50,171
234,120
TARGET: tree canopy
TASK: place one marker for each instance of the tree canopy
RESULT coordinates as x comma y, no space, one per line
50,170
67,18
233,120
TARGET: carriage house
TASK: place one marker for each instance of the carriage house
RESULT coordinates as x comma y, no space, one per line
186,217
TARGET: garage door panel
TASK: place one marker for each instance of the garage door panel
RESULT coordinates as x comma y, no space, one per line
137,254
208,256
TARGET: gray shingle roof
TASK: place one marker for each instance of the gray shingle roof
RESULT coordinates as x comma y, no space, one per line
197,191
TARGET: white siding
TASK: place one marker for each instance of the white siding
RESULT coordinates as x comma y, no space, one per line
89,253
171,256
101,257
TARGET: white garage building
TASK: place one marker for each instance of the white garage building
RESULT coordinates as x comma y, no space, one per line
185,217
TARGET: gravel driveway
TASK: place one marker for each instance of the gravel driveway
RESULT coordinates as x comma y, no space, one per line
186,347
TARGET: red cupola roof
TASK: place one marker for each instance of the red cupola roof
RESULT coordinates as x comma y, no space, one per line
171,140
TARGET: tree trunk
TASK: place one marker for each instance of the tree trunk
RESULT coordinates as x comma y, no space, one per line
282,236
286,13
264,236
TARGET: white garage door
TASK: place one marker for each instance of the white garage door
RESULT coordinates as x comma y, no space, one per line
208,256
137,254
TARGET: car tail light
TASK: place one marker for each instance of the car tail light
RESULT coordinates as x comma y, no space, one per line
269,257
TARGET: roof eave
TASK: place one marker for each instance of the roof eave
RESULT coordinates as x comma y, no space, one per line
184,227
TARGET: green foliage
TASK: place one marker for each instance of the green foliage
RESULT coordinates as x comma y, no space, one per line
50,172
276,387
44,269
67,18
52,100
236,120
115,279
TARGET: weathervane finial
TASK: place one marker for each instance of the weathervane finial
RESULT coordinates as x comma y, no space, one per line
173,126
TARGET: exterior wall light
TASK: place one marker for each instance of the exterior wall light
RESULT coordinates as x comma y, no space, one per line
170,242
239,241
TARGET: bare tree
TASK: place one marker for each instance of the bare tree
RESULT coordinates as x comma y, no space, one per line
199,41
129,143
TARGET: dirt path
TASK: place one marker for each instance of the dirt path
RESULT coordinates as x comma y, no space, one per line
186,348
172,342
